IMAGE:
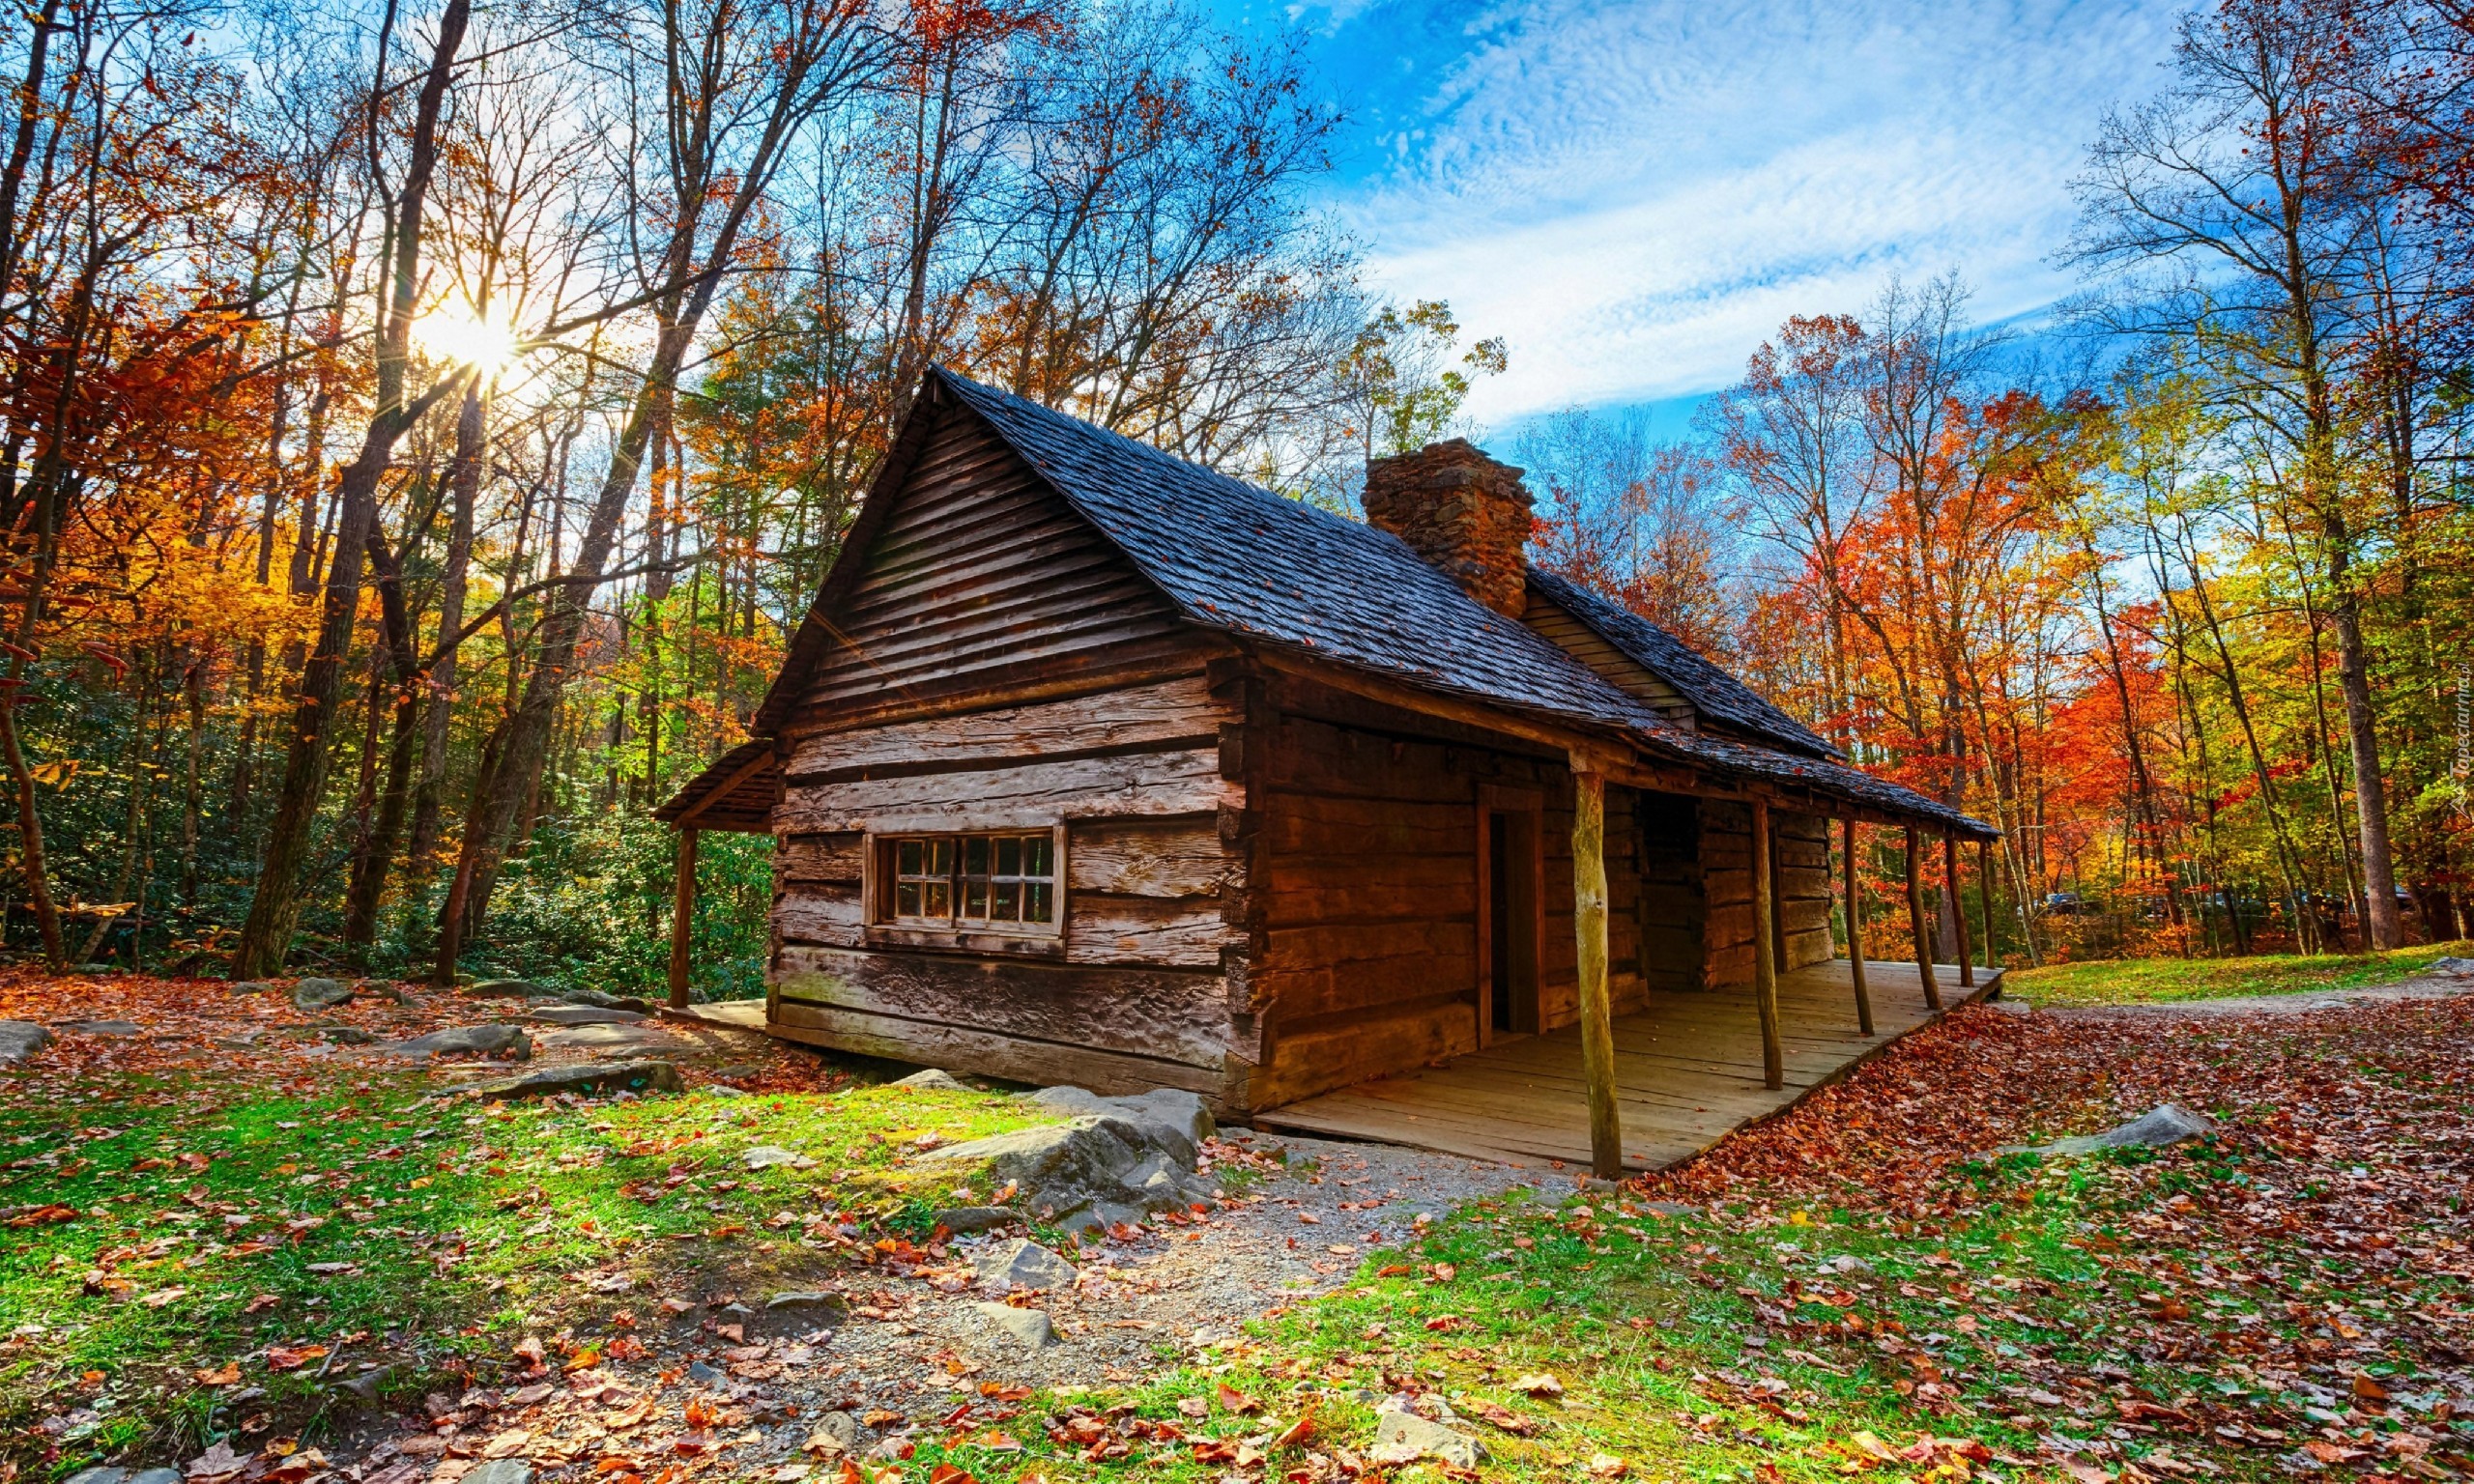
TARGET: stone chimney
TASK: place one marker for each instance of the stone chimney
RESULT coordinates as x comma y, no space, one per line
1467,515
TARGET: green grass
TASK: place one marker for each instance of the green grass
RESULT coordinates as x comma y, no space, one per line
2158,981
370,1227
1720,1349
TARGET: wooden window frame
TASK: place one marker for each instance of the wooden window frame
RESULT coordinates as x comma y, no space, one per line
877,881
1525,809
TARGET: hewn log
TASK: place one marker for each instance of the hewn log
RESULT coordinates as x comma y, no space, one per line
1183,782
830,859
1765,966
1915,918
1855,937
990,1054
1156,1014
1598,1015
1168,713
682,917
1146,858
1957,908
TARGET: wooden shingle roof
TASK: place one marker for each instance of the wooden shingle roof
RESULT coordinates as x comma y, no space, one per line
1249,563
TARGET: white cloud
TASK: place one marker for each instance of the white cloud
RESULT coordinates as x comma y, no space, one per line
1635,195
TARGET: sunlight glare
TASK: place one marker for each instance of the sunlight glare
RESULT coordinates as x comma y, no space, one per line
453,332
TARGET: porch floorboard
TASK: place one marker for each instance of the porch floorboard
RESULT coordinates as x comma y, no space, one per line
1687,1072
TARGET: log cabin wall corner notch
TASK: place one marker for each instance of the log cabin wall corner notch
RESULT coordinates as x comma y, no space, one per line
1088,764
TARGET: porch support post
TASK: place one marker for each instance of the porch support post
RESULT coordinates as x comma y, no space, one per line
1915,918
1598,1015
1765,958
1958,910
1984,894
682,917
1855,936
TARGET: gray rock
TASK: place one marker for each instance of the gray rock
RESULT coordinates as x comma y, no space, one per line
2451,965
503,1470
494,1040
382,989
1403,1437
2162,1127
1673,1208
1056,1167
589,1078
2011,1007
348,1035
600,1039
250,986
1098,1217
563,1013
599,1000
975,1218
320,993
699,1371
1172,1119
806,1298
934,1080
765,1157
511,989
835,1434
156,1475
104,1027
1023,1264
98,1476
21,1038
1027,1328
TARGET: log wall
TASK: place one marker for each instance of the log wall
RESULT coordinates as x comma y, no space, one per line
1364,825
1803,890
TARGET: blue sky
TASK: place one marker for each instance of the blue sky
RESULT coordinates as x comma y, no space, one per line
1634,194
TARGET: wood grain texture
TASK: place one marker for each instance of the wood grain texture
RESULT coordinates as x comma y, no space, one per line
1157,1015
1183,782
1169,713
1174,857
986,1053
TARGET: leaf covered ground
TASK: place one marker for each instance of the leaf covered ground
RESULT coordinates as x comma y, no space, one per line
1864,1287
2171,980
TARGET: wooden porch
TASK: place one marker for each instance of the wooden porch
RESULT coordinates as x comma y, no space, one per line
1688,1073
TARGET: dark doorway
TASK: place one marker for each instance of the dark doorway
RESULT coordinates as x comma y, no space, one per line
1510,911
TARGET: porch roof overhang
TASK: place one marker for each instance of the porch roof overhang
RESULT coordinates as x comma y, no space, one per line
1652,754
735,793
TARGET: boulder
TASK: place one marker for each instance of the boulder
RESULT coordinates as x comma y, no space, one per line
601,1001
563,1013
106,1475
21,1038
496,1039
2162,1127
347,1034
501,1471
251,986
587,1079
2011,1007
321,993
2451,965
933,1080
1171,1118
1099,1217
1403,1437
964,1219
511,989
104,1027
1027,1328
1023,1264
806,1298
765,1157
601,1039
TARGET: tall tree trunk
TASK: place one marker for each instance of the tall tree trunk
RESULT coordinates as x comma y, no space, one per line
274,908
377,857
464,482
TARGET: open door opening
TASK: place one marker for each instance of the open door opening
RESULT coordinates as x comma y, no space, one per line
1509,913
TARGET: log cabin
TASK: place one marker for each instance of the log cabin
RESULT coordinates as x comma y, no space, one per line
1088,764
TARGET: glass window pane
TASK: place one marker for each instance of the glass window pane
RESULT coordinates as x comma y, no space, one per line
912,855
1006,905
1009,856
1035,850
941,858
975,897
905,900
940,898
975,855
1035,902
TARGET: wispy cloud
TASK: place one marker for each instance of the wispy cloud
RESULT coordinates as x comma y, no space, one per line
1635,194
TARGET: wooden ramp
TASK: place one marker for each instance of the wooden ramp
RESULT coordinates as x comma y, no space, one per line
1688,1067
